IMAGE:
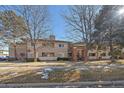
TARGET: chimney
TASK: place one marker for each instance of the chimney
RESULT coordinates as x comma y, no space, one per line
52,37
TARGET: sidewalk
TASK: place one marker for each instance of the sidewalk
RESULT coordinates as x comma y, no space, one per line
76,84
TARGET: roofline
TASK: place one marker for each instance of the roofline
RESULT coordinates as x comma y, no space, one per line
54,40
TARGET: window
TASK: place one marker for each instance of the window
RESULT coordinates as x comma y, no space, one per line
44,44
44,54
92,54
103,54
28,50
22,54
48,44
51,54
61,45
51,44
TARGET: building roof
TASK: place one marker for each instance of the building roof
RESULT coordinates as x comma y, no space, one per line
61,41
24,41
54,40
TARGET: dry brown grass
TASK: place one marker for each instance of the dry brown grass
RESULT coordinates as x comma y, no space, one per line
27,73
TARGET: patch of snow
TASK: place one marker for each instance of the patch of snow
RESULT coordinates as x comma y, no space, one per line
6,67
99,66
69,65
99,86
45,72
70,86
121,66
2,73
106,67
83,68
113,65
47,69
12,74
45,76
93,67
66,86
39,73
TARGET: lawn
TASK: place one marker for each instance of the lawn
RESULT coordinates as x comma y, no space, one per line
104,62
13,71
38,72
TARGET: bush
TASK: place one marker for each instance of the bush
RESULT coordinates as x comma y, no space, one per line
11,59
29,59
32,59
62,59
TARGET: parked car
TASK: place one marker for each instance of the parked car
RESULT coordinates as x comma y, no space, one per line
3,58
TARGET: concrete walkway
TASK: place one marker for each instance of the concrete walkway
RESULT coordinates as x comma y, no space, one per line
62,85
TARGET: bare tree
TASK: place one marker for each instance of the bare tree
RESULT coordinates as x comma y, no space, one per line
37,22
80,20
109,25
12,28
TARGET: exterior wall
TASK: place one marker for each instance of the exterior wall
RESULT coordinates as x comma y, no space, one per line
20,51
55,51
58,51
98,54
74,54
78,52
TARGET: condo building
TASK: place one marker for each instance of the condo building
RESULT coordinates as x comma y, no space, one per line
51,49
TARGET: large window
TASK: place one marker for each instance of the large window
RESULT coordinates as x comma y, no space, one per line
51,54
44,54
48,44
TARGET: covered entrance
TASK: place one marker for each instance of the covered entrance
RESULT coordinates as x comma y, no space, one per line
78,53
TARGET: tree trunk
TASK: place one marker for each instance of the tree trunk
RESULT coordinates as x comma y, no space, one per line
15,52
26,51
111,52
86,57
35,54
97,53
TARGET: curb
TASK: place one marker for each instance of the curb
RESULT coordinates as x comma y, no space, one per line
92,83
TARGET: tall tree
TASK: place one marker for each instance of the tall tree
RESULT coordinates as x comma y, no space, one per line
12,28
97,41
108,24
37,22
80,21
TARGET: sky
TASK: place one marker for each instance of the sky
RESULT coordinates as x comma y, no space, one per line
57,20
